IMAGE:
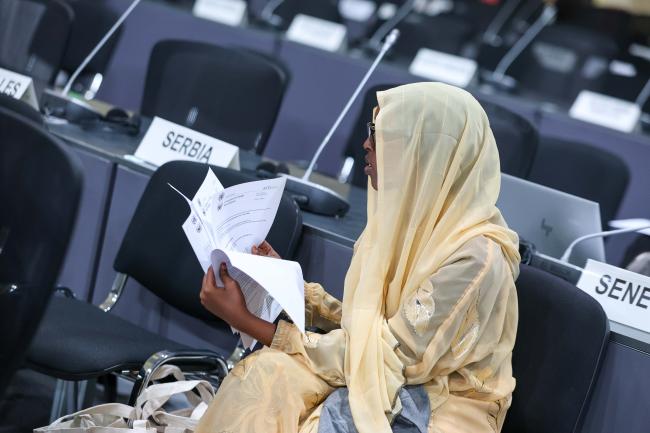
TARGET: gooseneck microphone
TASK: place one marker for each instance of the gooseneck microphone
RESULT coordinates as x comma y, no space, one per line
99,46
375,40
59,104
567,253
317,198
547,17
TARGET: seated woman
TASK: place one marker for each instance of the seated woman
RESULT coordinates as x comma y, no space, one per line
429,298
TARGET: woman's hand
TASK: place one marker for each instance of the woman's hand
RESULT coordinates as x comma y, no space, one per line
228,303
225,302
265,249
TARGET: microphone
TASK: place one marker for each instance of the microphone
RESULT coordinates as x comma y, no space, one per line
491,35
567,253
375,40
60,104
317,198
643,96
499,75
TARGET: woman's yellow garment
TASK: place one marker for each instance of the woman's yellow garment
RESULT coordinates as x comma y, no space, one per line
429,297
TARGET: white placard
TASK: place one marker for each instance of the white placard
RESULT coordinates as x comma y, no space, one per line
624,295
386,11
230,12
317,33
448,68
18,86
606,111
166,141
357,10
624,69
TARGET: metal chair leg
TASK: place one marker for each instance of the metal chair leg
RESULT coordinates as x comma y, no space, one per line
57,400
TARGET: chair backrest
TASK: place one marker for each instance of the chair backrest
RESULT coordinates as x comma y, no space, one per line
561,339
517,139
582,170
228,93
92,19
324,9
40,186
155,250
563,60
22,108
447,33
33,36
353,148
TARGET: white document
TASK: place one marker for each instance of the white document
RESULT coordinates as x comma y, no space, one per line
223,226
18,86
166,141
624,295
606,111
317,32
632,223
229,12
444,67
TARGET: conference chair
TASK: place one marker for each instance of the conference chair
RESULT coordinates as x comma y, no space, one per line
40,187
92,20
562,336
354,153
78,341
286,11
562,61
20,108
33,36
231,94
582,170
448,33
517,140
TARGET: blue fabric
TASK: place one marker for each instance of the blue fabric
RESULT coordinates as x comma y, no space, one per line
336,416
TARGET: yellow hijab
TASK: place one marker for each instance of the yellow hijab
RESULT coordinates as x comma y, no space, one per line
438,183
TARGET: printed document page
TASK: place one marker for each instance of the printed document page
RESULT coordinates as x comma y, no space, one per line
223,226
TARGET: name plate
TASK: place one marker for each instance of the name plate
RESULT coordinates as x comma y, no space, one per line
624,295
437,66
606,111
18,86
357,10
317,33
230,12
166,141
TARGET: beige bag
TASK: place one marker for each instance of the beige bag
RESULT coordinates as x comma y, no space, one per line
148,415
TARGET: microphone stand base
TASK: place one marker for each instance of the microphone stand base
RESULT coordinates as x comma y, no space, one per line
316,198
74,110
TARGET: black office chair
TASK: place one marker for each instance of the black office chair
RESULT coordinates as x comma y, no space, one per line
562,61
228,93
448,33
582,170
92,20
33,36
40,187
517,139
22,108
562,336
287,10
78,341
353,148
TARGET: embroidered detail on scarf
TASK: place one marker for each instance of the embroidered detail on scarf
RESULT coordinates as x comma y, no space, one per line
420,309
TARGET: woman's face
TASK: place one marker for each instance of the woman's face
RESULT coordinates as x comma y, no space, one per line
371,155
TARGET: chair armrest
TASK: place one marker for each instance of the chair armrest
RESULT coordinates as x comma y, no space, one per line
192,360
65,291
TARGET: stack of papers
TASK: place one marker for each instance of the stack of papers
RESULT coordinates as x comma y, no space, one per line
223,226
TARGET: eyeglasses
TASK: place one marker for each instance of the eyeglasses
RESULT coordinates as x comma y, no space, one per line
371,133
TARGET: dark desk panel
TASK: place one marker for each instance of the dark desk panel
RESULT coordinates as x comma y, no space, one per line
78,271
151,22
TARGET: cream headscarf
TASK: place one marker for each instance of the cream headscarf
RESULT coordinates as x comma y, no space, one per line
439,180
